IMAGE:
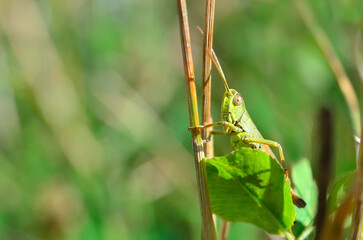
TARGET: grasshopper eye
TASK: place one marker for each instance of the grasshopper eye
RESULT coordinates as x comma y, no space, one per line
237,100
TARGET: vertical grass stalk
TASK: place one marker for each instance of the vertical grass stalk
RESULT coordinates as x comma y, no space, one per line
206,93
208,230
207,67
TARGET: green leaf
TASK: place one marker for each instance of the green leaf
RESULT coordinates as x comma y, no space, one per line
249,186
306,188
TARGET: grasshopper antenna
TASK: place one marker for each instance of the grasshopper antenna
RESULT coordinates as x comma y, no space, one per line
218,67
215,61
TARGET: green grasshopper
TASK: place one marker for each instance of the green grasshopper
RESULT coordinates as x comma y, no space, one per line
238,124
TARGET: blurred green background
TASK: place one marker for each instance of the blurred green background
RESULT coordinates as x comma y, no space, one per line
93,130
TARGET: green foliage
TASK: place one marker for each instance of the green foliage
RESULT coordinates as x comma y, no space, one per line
248,185
306,188
339,191
93,130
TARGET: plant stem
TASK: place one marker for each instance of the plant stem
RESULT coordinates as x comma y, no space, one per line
325,166
224,230
207,66
289,236
208,230
334,228
306,232
206,93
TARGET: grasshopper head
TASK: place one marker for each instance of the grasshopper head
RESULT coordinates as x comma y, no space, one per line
233,106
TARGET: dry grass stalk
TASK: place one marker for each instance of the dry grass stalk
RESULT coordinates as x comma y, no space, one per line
207,66
208,230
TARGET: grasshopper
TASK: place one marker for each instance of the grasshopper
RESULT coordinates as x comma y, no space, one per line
238,124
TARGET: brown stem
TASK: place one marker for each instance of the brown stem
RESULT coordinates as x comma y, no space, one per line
224,230
207,66
208,230
324,168
206,93
334,227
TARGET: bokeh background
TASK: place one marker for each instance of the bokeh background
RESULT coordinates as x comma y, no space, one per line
93,128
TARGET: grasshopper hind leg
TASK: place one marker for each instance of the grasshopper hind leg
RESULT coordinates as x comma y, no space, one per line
298,201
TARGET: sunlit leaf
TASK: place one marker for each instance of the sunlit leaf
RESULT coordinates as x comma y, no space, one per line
249,186
306,188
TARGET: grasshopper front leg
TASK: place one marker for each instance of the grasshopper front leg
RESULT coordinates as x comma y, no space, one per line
270,143
223,123
209,137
